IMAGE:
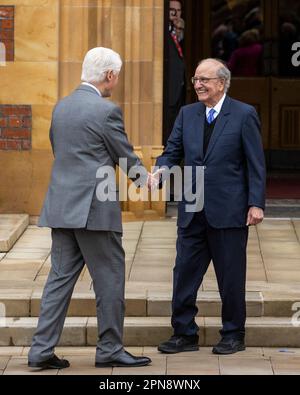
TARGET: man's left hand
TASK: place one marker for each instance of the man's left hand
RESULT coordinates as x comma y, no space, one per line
255,216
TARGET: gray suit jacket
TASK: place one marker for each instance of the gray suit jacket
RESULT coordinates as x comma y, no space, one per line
87,132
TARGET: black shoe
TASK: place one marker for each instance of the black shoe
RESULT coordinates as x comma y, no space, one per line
51,363
125,360
229,346
179,344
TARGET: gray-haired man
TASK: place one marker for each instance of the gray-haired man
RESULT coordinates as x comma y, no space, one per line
87,133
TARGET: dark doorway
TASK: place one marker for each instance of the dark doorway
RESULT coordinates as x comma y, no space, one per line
192,46
264,30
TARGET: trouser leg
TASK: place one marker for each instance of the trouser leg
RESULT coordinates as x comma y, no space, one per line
192,261
66,266
228,247
105,259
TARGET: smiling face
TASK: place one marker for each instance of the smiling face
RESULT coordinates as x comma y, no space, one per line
211,88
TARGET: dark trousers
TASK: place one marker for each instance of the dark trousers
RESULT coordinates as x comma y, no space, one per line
197,245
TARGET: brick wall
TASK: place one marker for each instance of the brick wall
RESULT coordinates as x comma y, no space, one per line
15,127
7,31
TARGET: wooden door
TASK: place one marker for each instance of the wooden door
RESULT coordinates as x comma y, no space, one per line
218,28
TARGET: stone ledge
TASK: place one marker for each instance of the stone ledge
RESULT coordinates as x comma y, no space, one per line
83,304
22,302
260,332
16,302
208,303
11,228
280,304
150,331
19,332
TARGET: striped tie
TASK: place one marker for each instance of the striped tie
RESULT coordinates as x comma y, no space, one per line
211,116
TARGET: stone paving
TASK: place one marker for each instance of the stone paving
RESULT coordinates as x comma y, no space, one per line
273,255
256,361
273,282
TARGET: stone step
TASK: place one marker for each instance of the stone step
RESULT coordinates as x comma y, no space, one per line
150,331
12,227
151,303
282,208
275,208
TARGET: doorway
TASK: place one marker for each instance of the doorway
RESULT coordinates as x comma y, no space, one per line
266,31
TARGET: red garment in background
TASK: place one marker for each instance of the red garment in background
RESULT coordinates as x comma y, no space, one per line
246,61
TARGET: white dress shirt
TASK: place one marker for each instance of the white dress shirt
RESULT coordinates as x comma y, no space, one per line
217,107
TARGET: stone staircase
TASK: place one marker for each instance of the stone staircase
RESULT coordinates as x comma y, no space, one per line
147,321
12,227
24,269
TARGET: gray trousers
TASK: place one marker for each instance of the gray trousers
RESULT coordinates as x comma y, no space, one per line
104,256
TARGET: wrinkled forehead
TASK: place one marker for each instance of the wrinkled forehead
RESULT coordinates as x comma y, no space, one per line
208,68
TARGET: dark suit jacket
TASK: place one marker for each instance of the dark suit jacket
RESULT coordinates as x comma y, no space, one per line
176,75
234,178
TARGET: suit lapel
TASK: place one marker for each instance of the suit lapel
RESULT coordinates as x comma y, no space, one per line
198,128
219,126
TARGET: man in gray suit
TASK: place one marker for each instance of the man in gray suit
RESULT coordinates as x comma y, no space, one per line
87,133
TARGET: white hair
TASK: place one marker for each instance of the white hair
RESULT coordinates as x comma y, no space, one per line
224,74
97,62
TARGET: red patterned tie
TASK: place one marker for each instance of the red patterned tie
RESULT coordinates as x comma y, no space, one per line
179,49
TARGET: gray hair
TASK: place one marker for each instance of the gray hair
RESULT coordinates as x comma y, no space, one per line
223,72
97,62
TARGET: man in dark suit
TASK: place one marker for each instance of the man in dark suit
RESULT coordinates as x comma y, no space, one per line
222,135
87,134
176,67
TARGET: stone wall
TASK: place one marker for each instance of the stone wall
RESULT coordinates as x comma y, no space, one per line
50,38
15,127
7,14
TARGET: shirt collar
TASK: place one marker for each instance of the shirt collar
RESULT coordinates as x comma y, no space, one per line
92,86
217,107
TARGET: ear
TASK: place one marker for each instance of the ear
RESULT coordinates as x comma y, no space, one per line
109,75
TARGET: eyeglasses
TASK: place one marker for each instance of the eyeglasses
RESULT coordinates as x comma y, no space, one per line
175,11
203,80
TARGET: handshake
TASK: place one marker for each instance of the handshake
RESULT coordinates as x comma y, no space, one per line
153,179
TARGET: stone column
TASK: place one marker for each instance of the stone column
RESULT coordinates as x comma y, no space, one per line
134,28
